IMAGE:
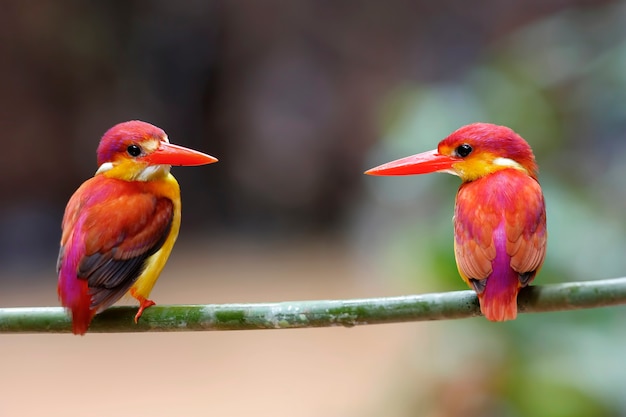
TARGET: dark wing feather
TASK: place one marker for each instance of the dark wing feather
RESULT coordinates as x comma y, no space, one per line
119,242
114,280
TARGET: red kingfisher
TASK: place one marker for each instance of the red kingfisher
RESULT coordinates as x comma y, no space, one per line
499,217
120,226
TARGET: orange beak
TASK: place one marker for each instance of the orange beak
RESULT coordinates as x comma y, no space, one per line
170,154
422,163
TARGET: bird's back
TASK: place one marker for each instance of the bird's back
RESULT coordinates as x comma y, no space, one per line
500,238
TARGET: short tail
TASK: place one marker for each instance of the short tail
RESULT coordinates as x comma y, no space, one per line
78,301
498,302
81,318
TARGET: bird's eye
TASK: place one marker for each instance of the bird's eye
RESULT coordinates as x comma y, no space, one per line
463,150
133,150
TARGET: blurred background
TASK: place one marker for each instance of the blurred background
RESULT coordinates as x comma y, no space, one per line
297,99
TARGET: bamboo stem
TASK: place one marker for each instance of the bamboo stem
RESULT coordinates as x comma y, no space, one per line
320,313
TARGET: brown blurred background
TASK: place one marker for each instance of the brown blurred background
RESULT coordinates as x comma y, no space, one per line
297,99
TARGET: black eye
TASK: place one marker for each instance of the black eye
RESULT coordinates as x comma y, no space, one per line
133,150
463,150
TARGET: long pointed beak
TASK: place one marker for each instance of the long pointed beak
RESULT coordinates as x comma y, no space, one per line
421,163
170,154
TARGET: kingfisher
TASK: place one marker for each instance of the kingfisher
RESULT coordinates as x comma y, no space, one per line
499,216
119,227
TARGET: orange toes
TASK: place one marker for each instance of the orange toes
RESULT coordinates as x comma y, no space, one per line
143,304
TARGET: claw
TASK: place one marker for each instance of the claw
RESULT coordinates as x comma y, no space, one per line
478,285
526,277
143,304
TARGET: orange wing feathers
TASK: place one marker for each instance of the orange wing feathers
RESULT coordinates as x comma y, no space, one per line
110,228
120,226
500,238
500,218
526,229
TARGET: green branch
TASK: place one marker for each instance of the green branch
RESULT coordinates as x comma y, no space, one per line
325,313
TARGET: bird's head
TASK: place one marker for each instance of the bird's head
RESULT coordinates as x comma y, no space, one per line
471,152
137,150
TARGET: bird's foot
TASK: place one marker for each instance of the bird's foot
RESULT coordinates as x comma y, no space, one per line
143,304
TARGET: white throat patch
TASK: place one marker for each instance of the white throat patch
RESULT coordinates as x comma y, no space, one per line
153,171
104,167
509,163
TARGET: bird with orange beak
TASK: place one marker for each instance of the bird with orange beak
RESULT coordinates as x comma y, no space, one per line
500,216
120,226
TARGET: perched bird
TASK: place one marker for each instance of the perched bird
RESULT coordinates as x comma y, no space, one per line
120,226
499,218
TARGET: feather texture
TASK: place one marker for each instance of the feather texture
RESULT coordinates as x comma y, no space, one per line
500,217
111,229
500,237
120,226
